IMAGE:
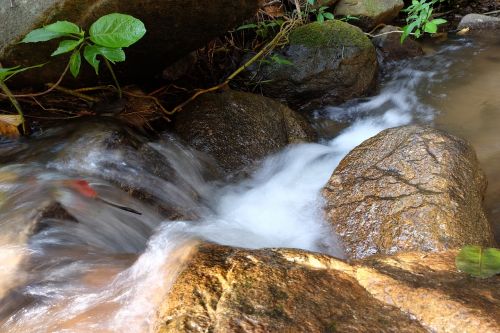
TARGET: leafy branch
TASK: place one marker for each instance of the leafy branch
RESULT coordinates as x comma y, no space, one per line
107,38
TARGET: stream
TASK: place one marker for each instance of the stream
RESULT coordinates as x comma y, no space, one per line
106,269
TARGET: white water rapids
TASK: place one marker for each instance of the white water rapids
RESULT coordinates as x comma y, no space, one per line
109,271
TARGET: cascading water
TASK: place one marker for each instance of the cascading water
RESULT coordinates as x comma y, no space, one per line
100,268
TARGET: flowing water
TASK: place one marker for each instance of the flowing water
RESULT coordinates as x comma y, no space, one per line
96,267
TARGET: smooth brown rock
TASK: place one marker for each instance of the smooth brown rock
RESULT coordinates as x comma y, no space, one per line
370,12
430,289
239,128
225,289
408,188
175,28
390,48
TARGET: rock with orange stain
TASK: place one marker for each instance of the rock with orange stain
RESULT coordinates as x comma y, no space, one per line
225,289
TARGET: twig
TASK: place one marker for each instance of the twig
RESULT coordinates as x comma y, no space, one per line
75,93
297,6
14,102
114,78
54,86
282,34
384,33
493,12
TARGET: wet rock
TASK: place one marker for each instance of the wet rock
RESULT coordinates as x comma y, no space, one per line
408,188
17,231
239,128
389,45
370,12
158,175
430,289
175,28
331,63
225,289
478,22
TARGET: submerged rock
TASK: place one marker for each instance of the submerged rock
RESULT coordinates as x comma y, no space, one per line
389,47
331,62
370,12
223,289
239,128
175,28
408,188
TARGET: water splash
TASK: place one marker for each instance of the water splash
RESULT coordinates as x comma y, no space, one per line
104,269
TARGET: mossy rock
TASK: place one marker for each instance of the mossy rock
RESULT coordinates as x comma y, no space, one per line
332,62
330,34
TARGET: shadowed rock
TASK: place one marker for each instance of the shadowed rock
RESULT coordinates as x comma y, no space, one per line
390,48
408,188
240,128
331,62
175,27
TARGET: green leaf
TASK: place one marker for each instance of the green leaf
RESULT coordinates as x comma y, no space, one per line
311,2
75,62
117,30
430,28
439,21
328,16
7,73
479,262
320,18
91,52
63,27
41,35
67,46
247,26
280,60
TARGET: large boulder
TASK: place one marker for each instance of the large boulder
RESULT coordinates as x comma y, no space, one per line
223,289
239,128
408,188
175,27
429,288
479,22
370,12
388,43
331,62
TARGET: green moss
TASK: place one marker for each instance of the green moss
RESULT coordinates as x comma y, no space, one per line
331,328
329,34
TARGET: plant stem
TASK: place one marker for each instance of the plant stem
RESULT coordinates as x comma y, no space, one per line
114,78
14,103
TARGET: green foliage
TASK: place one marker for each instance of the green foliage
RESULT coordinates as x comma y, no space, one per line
263,29
278,60
116,31
420,20
7,73
107,38
321,14
479,262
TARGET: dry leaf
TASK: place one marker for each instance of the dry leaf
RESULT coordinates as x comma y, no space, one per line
464,31
9,124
